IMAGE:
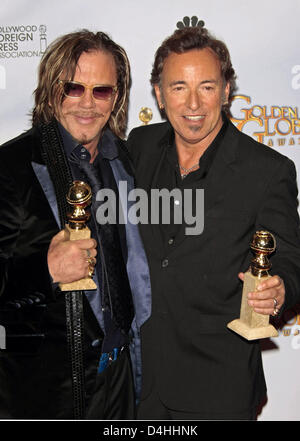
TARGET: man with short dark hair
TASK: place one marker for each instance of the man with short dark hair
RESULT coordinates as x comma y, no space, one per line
67,354
194,367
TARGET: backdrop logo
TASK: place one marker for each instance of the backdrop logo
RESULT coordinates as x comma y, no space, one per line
25,41
188,22
296,77
2,78
278,125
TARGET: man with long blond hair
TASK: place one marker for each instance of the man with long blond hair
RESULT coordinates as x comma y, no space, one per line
67,354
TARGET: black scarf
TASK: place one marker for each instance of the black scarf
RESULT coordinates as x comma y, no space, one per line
61,176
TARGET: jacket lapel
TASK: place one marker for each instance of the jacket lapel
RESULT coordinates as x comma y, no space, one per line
157,160
137,265
222,173
42,175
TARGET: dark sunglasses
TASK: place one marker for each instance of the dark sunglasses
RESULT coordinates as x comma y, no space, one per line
73,89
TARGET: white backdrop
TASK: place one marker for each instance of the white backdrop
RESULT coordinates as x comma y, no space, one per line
263,38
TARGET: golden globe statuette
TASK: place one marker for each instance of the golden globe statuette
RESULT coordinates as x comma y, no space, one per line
79,197
145,115
252,325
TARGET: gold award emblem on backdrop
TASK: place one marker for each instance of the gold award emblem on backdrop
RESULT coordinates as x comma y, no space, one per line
145,115
79,197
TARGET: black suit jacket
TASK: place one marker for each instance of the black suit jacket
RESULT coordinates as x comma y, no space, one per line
200,364
35,374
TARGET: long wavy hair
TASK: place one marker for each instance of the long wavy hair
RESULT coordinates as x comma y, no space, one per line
186,39
62,56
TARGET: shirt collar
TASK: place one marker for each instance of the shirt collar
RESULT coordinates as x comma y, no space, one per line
106,147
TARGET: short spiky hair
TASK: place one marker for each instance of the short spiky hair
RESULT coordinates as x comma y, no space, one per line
62,56
191,38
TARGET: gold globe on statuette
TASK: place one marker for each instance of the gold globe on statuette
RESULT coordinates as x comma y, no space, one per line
79,197
252,325
145,115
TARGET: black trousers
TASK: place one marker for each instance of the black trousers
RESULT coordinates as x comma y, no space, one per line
113,397
152,408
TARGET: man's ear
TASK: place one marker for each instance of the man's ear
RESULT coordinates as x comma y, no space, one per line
226,93
158,95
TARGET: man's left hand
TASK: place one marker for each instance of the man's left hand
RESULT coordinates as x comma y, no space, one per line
269,296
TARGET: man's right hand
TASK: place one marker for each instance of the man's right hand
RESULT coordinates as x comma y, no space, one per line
68,259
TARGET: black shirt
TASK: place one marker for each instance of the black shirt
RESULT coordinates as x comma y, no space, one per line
169,178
